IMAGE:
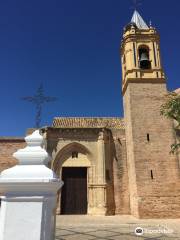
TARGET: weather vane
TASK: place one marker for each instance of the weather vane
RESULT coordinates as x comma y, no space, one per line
38,100
136,4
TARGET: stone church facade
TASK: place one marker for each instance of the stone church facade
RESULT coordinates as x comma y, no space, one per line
98,145
118,165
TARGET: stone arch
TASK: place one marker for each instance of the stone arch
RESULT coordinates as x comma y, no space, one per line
65,154
64,158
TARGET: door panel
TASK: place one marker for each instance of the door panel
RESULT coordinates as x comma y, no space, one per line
74,191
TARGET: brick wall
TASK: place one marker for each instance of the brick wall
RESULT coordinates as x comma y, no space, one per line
153,171
120,173
7,147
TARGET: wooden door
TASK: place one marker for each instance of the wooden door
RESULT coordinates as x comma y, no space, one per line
74,190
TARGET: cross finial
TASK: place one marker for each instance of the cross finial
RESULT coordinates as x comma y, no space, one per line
136,4
38,100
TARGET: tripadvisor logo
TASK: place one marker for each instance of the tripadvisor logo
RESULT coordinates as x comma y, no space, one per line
139,231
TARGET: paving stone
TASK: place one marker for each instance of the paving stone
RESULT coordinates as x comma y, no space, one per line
77,237
64,232
114,228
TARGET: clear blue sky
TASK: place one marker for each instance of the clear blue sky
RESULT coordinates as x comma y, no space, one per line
72,46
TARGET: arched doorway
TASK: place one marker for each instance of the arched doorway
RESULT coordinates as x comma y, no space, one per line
72,165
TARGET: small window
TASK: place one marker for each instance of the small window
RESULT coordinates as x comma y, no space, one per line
148,138
152,177
119,140
74,154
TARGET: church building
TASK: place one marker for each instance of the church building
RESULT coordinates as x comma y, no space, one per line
118,165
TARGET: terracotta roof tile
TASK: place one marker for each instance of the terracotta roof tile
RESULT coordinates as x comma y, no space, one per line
88,122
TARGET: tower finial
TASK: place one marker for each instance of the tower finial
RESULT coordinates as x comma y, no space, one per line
135,4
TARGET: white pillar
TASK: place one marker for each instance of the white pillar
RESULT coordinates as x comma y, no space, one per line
28,206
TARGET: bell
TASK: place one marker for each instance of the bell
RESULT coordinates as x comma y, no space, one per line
144,57
144,61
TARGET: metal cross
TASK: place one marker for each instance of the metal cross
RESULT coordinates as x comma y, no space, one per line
136,4
38,100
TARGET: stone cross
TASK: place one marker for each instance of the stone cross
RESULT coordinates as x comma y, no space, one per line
29,190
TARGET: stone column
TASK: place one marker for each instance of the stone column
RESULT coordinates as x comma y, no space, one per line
101,159
29,195
100,187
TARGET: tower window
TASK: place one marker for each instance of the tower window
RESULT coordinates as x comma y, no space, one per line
144,62
74,154
152,177
148,137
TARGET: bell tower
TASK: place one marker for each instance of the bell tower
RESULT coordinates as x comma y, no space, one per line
140,52
153,172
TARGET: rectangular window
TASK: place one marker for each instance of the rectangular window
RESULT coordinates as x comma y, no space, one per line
74,154
148,137
152,175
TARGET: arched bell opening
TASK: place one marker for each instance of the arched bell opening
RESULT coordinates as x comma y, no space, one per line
144,61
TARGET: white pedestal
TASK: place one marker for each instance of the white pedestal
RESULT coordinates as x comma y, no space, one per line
28,215
28,207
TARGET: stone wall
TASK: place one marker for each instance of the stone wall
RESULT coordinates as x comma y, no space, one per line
116,172
8,146
94,146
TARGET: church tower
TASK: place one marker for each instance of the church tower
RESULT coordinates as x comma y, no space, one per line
153,172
